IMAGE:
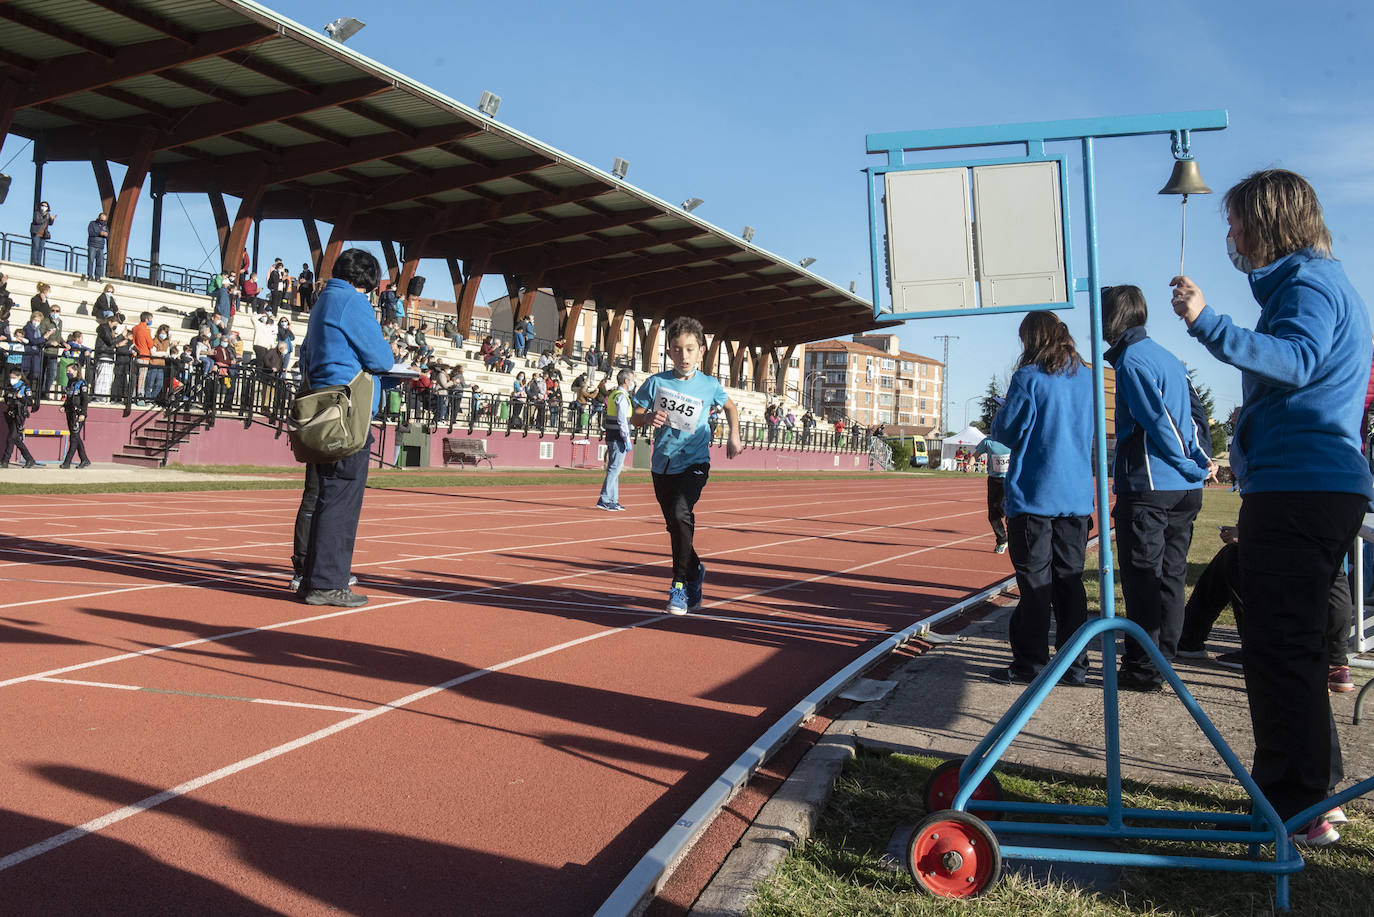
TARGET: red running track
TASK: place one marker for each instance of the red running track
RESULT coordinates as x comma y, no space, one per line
506,728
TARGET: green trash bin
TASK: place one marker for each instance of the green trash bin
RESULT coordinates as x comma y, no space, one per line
393,402
503,412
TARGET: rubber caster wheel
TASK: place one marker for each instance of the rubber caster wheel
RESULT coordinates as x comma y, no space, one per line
953,855
943,784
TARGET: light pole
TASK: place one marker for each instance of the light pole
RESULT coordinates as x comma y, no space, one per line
967,402
806,385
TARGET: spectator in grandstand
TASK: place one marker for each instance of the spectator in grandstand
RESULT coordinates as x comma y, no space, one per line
97,231
286,336
808,423
6,300
33,346
105,303
19,400
674,404
554,392
142,339
423,350
305,288
387,301
76,351
52,350
1304,367
1047,422
251,300
40,231
75,398
839,428
343,339
789,421
545,361
39,302
108,340
772,418
455,336
262,333
619,410
224,305
517,400
202,351
1160,467
159,348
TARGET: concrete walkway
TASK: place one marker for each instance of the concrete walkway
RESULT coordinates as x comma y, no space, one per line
107,473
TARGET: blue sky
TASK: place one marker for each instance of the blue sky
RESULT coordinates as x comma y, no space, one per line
762,108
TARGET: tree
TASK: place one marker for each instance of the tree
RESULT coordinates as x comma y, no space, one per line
990,403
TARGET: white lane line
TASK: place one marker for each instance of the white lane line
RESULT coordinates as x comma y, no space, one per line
157,799
561,576
204,694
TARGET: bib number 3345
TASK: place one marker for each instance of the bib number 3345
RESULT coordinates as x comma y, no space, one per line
684,411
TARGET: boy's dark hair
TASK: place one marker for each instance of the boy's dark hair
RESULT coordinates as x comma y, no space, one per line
1123,308
357,268
685,324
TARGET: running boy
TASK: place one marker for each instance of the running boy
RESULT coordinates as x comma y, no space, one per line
675,404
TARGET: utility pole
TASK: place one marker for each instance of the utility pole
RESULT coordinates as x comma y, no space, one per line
944,382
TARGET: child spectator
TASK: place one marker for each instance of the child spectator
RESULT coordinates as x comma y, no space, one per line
674,404
999,461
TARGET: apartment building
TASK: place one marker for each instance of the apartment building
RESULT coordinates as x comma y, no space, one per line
871,380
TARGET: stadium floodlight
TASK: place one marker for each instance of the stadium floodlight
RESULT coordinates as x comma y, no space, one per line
620,167
489,104
807,262
853,286
344,28
748,234
692,203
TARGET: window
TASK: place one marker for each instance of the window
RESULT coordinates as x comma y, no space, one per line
885,400
923,404
908,366
833,377
868,397
889,364
925,369
835,359
923,385
887,381
794,362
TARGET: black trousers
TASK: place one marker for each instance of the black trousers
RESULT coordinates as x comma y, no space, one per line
1047,553
75,447
329,552
677,496
15,440
305,519
996,488
1219,586
1291,545
1153,533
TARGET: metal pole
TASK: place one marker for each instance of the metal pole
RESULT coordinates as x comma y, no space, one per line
155,245
944,381
1107,591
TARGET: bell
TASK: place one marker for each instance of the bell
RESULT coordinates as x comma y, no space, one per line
1185,179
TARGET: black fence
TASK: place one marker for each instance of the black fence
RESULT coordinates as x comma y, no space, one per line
60,256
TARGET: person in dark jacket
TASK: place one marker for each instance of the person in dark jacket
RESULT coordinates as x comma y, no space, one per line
1047,422
40,231
97,231
18,403
342,339
305,288
1160,467
105,303
33,346
77,396
1303,369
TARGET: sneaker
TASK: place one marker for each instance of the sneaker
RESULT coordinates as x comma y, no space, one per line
1337,816
1001,548
65,465
1128,681
694,587
1338,679
1199,653
1231,660
83,465
1318,833
1010,676
608,507
677,599
617,508
345,598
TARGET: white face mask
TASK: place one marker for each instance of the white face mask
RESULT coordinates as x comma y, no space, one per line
1241,262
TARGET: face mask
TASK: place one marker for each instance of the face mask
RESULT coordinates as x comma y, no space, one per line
162,337
1241,262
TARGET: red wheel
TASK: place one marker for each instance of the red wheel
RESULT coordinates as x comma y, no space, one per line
943,784
953,855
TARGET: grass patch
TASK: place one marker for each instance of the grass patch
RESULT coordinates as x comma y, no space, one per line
841,870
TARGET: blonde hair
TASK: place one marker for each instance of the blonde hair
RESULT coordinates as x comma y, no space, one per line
1279,214
44,287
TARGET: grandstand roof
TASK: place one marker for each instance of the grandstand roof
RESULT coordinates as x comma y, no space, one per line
232,96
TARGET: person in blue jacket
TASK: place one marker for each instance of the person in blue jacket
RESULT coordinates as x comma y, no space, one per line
343,338
1158,475
1047,422
1304,485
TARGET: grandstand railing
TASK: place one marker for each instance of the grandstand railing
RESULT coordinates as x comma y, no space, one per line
74,259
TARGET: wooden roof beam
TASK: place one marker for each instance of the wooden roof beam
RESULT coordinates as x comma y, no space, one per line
552,258
382,118
76,73
204,87
664,281
472,213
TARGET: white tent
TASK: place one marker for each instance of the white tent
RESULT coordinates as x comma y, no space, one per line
967,438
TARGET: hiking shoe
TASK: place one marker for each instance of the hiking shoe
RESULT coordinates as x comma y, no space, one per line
1010,676
1001,548
694,587
1231,660
344,598
1318,833
677,599
1337,816
1338,679
1199,653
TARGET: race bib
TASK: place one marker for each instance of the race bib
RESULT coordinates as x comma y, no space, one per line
999,464
684,411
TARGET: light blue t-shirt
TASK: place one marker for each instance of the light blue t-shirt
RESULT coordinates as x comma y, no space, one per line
685,440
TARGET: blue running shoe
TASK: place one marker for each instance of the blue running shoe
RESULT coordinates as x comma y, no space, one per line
677,599
694,588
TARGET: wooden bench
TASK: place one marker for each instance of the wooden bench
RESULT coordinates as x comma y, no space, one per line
466,452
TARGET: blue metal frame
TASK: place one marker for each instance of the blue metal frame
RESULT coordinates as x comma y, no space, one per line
877,225
1262,825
